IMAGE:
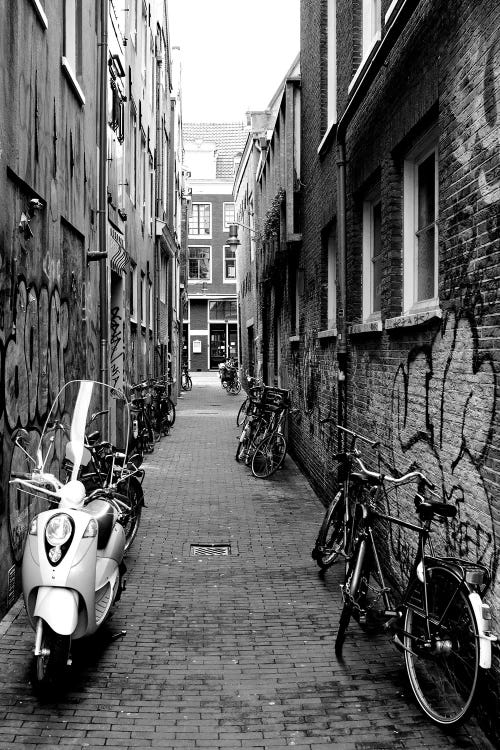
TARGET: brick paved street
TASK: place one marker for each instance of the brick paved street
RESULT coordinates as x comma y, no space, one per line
222,651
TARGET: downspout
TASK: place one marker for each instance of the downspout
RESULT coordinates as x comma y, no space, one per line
103,145
401,16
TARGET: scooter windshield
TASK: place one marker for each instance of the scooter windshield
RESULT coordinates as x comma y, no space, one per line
86,433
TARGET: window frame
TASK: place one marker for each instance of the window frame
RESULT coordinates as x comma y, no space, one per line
224,208
72,59
40,12
198,280
331,263
133,293
229,279
369,205
427,146
208,235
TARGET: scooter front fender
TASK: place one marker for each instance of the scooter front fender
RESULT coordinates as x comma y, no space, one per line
58,607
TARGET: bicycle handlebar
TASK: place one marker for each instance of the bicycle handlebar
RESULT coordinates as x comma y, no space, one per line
396,481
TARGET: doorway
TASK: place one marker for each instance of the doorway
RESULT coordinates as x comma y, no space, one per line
223,343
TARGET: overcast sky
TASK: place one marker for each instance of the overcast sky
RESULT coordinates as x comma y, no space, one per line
234,54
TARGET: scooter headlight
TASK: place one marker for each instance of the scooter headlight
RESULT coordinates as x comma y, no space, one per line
58,530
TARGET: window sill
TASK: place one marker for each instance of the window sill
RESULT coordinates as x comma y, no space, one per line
71,78
327,138
40,13
370,326
413,319
328,333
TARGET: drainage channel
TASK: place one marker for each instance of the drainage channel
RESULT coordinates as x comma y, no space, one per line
210,549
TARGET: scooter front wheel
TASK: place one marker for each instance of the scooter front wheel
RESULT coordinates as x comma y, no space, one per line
52,661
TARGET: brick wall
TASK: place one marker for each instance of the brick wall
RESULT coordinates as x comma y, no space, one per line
426,390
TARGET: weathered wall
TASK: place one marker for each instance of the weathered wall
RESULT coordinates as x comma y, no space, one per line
47,300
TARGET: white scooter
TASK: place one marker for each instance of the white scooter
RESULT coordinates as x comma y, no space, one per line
72,568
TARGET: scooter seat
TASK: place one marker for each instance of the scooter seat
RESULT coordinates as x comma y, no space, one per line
105,515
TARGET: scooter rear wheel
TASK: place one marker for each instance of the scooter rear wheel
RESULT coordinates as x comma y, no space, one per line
51,663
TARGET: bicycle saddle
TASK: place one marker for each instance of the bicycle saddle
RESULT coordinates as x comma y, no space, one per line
427,510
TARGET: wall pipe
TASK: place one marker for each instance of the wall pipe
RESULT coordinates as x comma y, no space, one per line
103,215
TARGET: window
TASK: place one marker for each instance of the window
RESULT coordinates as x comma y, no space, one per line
371,25
372,257
200,221
228,210
420,231
143,181
73,46
296,276
332,62
133,293
150,305
226,309
133,158
143,298
229,263
331,312
163,279
133,21
199,263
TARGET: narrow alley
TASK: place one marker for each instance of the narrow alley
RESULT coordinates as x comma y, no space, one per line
220,651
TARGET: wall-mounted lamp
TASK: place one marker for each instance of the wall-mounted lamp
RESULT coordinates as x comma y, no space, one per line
233,240
34,205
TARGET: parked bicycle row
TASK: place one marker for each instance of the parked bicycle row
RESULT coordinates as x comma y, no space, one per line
437,617
80,482
439,620
262,416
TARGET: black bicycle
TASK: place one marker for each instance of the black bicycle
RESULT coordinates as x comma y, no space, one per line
440,622
335,537
186,382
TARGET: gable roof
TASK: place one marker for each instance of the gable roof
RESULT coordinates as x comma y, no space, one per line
229,138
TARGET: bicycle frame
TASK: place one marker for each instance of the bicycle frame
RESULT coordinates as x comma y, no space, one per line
419,571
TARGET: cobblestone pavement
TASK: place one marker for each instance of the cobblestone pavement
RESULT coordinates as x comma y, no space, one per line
220,651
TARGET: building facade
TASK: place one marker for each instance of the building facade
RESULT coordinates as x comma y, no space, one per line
90,155
384,315
212,154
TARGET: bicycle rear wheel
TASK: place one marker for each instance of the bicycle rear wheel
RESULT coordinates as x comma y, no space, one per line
268,456
443,670
330,538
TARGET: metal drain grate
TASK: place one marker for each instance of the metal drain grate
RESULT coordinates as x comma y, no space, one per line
210,549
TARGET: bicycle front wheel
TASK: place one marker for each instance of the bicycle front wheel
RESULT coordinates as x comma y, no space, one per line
268,456
443,669
354,592
169,410
330,539
242,413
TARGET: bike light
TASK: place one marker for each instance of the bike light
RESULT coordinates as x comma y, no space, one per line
91,529
58,530
55,554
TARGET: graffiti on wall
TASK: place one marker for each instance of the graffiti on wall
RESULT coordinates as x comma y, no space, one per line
33,361
443,406
116,348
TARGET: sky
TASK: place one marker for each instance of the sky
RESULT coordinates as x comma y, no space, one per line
234,54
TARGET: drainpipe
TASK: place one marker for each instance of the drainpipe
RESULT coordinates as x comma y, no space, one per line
103,202
400,18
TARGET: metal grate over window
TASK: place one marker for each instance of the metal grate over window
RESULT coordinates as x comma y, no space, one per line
210,549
